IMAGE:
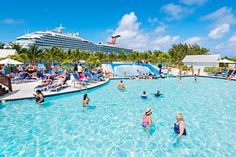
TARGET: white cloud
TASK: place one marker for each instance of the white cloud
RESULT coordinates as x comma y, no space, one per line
132,36
193,2
10,21
161,28
109,30
195,40
227,48
223,19
165,41
219,31
152,20
222,15
232,40
218,46
175,11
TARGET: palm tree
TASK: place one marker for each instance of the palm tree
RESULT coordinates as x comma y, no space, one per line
17,47
133,56
100,55
85,55
164,57
111,57
64,57
2,45
145,56
156,54
32,54
51,54
76,55
93,61
122,56
234,58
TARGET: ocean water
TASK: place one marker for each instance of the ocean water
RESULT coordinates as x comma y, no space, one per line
111,126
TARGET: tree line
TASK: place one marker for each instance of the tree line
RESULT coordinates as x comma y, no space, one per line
34,54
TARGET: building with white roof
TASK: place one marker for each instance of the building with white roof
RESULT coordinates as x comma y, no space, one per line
202,61
6,52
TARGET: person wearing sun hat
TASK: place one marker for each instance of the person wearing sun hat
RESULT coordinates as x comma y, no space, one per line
147,118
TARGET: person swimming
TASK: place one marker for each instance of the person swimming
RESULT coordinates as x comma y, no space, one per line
147,118
39,97
195,77
121,85
86,100
144,95
180,126
178,77
157,94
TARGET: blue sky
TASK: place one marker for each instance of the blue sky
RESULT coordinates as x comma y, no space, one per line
142,24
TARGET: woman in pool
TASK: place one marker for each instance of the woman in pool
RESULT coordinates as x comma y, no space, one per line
144,95
157,94
180,126
39,97
121,85
147,118
86,100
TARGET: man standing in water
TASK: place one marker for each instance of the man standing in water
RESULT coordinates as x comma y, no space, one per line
121,85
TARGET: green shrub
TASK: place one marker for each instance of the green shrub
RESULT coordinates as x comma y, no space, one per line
212,69
185,67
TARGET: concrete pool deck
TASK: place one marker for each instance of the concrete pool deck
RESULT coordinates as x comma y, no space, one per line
26,90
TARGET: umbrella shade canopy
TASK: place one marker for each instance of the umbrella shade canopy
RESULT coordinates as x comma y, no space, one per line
227,61
9,61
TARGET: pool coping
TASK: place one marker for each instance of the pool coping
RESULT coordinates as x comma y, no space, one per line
203,76
60,93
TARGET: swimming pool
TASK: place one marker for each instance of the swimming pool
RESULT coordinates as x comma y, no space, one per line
112,127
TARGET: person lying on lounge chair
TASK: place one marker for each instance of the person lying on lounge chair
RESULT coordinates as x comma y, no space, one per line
46,82
32,71
83,76
61,81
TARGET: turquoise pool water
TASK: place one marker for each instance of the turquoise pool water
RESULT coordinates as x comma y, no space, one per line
112,127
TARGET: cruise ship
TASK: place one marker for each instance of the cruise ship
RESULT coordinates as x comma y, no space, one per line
56,38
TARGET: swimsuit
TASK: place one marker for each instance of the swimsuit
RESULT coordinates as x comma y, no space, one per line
144,96
157,95
176,129
145,123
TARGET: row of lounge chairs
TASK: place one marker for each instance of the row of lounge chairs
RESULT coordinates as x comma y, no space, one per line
51,84
89,78
56,85
225,73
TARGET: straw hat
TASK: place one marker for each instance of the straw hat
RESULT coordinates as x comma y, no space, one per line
148,111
